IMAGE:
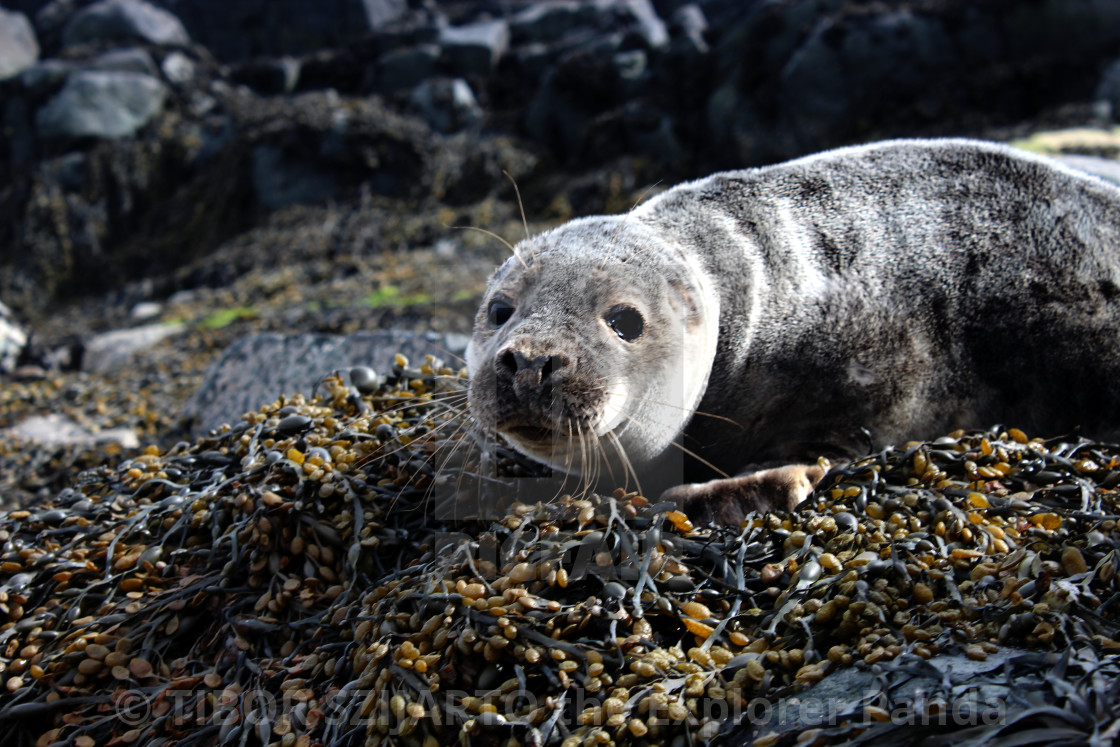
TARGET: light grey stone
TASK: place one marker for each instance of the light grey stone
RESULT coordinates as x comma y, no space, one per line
124,20
19,49
57,430
111,351
96,103
146,310
178,68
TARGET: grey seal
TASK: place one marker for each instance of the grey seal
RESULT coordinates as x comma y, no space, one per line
757,320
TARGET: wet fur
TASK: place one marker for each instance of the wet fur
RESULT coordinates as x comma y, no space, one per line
907,288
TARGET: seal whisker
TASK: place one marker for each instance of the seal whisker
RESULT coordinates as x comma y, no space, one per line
682,448
511,247
627,466
521,207
460,448
701,413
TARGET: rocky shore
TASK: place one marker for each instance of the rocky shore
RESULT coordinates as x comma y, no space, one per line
206,207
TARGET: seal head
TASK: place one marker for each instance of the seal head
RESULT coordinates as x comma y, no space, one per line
593,346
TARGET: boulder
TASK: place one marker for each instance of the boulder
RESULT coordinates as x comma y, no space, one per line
101,104
124,20
19,49
253,370
406,67
476,48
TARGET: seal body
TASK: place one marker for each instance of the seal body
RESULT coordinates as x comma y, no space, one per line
821,307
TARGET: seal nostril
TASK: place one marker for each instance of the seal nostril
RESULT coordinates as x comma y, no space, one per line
508,362
551,364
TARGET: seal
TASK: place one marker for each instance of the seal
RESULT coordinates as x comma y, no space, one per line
719,339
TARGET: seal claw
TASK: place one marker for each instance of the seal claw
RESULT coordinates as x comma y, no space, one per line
728,501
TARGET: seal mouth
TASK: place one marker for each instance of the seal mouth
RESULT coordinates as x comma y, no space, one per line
530,433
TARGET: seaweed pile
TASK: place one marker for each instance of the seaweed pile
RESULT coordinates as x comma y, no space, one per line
290,580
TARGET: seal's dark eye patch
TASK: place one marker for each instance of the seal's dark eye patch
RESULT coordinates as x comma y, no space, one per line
626,321
498,313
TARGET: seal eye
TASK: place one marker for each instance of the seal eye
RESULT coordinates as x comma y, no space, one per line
626,321
498,313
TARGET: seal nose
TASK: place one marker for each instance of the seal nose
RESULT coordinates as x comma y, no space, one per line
529,374
514,362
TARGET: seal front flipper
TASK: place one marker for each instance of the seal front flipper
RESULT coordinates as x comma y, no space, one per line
727,501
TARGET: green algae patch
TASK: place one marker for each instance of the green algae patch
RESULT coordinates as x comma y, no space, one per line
224,317
391,295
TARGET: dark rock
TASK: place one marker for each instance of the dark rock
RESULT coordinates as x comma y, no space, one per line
269,76
44,76
791,78
407,67
130,59
583,84
19,49
474,49
447,104
1108,90
101,104
13,339
254,370
280,179
124,20
337,69
239,31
